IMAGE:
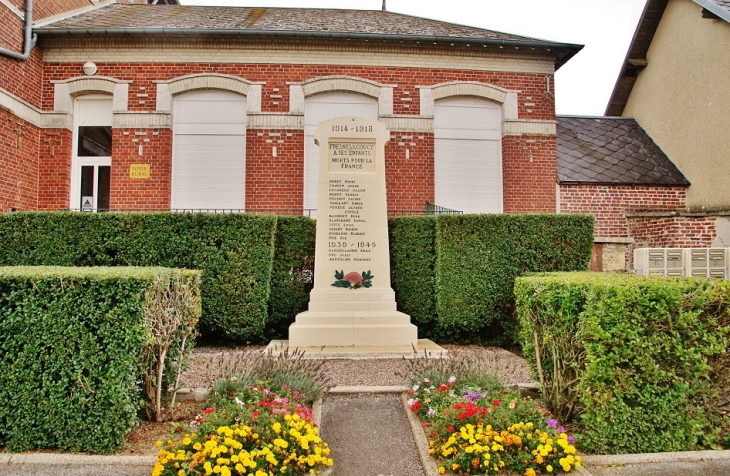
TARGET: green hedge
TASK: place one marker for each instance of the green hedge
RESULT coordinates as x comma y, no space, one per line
452,274
412,268
641,361
478,258
292,274
72,345
235,253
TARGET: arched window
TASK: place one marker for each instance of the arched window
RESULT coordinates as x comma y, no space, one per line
320,108
468,155
209,151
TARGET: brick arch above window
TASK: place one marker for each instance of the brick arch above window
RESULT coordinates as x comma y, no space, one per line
341,84
83,85
489,92
383,93
166,90
67,90
469,88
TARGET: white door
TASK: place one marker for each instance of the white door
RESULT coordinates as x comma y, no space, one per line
318,109
209,151
468,155
92,154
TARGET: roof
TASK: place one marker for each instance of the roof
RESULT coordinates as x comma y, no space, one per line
611,151
720,8
635,59
287,22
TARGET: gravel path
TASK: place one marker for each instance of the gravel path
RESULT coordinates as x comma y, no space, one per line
369,435
208,362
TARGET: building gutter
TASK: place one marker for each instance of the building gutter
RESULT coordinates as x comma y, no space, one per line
569,49
29,38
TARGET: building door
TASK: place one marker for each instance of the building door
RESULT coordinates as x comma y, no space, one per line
468,155
318,109
209,151
92,154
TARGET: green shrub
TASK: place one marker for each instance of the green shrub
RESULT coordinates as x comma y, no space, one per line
642,361
412,267
234,251
72,346
292,273
478,258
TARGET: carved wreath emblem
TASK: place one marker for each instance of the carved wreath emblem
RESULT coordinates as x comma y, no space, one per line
353,279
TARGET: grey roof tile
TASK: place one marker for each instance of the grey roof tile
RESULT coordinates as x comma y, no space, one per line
138,17
611,150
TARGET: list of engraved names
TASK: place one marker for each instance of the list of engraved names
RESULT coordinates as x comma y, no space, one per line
348,240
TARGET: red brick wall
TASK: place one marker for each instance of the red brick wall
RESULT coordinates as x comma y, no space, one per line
673,232
276,76
609,204
277,183
274,182
18,163
529,169
409,181
141,194
54,169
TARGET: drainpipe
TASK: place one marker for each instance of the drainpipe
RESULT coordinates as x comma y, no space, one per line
29,38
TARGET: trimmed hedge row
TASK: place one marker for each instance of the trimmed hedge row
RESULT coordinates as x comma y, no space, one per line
452,274
642,362
235,253
73,344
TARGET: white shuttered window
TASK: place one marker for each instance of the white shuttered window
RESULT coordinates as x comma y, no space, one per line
468,155
209,151
318,109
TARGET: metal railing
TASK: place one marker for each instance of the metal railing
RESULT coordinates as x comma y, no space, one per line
431,209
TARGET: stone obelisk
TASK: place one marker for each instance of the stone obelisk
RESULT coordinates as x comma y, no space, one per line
352,303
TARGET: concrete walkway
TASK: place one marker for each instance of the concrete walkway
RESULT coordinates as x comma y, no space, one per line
369,435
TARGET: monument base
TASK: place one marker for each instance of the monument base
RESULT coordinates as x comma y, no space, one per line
424,348
344,328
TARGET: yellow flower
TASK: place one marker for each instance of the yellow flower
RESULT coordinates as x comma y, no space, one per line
187,441
442,470
181,472
158,443
549,468
530,472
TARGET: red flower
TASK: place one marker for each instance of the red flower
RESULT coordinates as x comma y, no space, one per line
425,424
434,433
416,406
496,403
409,393
450,429
255,415
443,387
208,411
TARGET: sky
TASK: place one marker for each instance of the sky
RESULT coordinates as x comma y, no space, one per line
583,86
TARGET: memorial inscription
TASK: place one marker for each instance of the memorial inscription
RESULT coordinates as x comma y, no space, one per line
352,302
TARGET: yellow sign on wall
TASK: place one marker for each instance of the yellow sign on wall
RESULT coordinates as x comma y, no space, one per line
139,171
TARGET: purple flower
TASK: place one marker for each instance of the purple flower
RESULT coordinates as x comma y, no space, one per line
571,440
431,411
552,423
561,429
464,392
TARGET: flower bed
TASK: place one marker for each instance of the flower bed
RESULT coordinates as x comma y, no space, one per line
259,422
474,426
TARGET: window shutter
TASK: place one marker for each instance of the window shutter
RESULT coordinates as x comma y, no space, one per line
468,155
318,109
209,151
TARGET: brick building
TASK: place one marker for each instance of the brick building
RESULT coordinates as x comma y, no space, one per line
172,107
